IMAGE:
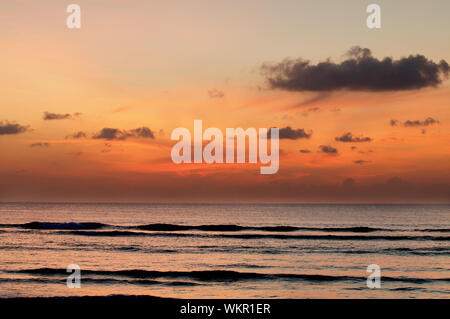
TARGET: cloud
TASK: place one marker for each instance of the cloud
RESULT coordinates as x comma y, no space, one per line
311,110
292,134
426,122
117,134
216,94
328,149
415,123
77,135
360,162
359,72
305,151
350,138
394,122
7,128
122,109
315,99
55,116
107,149
39,145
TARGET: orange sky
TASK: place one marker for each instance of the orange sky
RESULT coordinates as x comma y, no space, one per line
133,67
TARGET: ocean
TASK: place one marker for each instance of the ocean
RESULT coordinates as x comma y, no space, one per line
224,250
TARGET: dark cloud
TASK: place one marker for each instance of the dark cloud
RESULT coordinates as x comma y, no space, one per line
216,94
350,138
143,132
7,128
311,110
39,145
117,134
360,162
426,122
77,135
305,151
366,152
110,134
409,123
359,72
292,134
328,149
394,122
55,116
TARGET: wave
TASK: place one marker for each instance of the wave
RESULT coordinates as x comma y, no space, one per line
206,228
234,228
56,226
435,230
224,275
118,233
94,280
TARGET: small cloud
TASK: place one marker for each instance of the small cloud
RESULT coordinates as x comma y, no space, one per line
311,110
415,123
109,134
394,122
55,116
107,149
427,122
328,149
292,134
39,145
216,94
121,109
313,100
7,128
305,151
77,135
143,132
366,152
350,138
361,162
117,134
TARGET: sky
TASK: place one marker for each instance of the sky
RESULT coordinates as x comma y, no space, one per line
368,125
